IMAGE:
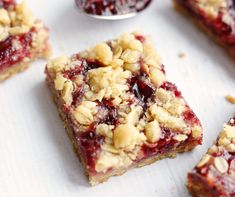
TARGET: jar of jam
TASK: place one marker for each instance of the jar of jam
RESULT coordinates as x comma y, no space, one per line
111,7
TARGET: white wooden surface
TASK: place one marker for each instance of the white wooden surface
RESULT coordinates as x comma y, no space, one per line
36,158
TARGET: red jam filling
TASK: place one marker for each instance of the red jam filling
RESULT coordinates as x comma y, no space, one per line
72,73
7,3
165,144
10,54
112,7
89,142
77,96
140,38
171,87
82,68
90,145
141,88
190,117
112,114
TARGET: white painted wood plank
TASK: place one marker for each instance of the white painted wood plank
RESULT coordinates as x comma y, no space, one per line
36,155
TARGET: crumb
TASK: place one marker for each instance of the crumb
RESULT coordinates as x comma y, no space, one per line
61,48
173,189
230,99
181,55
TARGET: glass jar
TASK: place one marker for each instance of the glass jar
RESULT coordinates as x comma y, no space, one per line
111,7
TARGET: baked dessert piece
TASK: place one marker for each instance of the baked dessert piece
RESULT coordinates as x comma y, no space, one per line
22,38
215,17
118,108
214,175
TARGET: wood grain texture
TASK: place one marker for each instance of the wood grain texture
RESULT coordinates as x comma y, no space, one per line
36,155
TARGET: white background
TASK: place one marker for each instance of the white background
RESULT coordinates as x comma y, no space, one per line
36,157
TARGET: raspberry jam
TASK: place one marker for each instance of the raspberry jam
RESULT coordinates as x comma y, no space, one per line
190,117
7,3
81,68
90,144
140,38
77,96
171,87
14,49
111,7
112,114
142,89
165,144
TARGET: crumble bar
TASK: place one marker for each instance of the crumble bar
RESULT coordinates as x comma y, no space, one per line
118,108
22,38
215,17
214,175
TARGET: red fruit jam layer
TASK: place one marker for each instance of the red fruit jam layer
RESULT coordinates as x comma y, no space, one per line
7,3
14,49
167,143
217,27
171,87
112,7
142,88
89,144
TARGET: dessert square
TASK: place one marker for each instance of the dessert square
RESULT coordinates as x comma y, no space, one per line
215,17
214,175
22,38
118,108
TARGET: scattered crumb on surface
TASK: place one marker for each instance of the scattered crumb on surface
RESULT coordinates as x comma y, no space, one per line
181,55
61,48
173,189
230,99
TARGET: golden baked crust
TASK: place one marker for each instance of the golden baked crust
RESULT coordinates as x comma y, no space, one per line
118,107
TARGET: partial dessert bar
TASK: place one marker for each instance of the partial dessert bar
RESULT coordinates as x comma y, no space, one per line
118,108
22,38
216,18
214,175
